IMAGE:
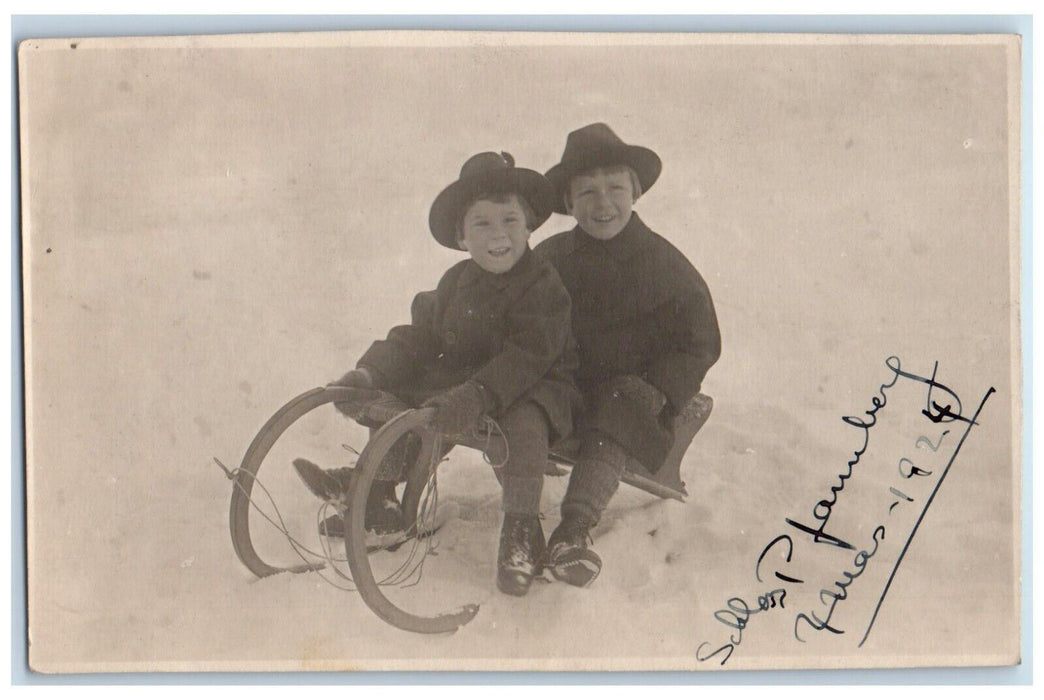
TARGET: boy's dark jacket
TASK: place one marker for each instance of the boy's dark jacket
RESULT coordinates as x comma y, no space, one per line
510,332
639,308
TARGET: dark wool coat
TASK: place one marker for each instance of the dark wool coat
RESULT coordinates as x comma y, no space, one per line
510,332
639,308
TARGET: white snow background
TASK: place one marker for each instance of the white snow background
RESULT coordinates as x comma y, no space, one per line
212,230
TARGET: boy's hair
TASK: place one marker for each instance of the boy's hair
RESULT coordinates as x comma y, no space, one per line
498,198
636,185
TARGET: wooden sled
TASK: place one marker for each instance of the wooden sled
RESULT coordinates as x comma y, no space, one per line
665,483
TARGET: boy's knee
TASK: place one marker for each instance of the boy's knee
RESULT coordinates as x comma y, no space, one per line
527,430
639,392
526,421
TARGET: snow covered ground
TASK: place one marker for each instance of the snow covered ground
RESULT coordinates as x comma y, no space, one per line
211,232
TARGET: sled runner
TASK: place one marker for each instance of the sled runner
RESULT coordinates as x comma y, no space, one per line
419,497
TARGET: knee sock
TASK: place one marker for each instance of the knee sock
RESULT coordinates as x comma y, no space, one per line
594,479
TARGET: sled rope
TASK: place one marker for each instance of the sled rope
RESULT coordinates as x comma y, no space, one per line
298,548
492,427
410,572
398,578
324,542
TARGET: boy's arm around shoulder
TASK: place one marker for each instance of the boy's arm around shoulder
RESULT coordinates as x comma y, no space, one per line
690,325
538,330
408,348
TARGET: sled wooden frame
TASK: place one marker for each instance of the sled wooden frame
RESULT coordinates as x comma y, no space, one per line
666,483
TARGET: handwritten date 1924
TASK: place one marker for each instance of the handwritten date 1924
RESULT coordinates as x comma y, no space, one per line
941,405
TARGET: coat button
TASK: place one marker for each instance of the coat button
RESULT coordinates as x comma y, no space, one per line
451,337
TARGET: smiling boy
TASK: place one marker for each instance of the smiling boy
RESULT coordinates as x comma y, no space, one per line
645,327
492,339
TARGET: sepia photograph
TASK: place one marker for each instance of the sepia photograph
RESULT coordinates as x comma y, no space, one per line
522,351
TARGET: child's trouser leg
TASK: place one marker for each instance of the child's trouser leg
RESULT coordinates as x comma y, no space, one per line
526,429
521,538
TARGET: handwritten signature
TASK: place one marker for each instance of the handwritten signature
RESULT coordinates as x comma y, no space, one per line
942,406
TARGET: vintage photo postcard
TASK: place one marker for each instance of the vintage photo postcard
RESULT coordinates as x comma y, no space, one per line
521,351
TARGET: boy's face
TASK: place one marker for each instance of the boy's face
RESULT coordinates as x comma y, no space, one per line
495,233
601,201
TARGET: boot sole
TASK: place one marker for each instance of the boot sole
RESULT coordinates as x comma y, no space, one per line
508,584
387,541
372,536
578,568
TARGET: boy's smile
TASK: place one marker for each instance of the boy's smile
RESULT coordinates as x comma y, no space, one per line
495,233
601,202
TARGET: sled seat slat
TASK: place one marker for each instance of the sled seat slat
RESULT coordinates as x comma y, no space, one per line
665,483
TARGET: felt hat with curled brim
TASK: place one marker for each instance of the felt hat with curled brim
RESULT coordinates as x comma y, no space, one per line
487,174
597,146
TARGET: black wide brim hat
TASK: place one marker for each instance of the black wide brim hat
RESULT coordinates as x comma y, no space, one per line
596,146
488,174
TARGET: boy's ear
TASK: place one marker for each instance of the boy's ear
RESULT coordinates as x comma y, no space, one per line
462,244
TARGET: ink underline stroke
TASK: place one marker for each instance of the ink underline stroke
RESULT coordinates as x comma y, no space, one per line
927,505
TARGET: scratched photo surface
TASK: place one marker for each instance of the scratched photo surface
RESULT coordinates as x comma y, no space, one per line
212,226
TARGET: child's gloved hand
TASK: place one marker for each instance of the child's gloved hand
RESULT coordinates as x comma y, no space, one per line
358,378
459,408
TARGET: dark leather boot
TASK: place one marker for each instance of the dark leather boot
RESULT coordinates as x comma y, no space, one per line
521,553
568,556
383,513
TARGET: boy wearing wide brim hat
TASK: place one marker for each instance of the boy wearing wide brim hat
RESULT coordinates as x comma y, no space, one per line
645,326
493,339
